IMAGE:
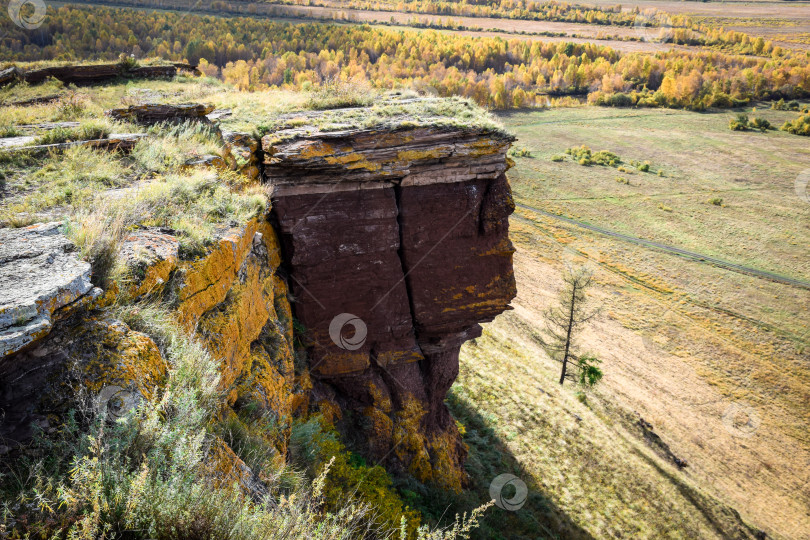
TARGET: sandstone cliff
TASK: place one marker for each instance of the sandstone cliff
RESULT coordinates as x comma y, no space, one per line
396,243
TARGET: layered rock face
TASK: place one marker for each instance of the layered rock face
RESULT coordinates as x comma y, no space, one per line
56,354
396,243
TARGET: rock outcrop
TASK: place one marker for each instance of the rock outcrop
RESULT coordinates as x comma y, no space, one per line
93,73
391,240
396,242
152,113
40,280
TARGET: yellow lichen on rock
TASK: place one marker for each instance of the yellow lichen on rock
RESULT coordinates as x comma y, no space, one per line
205,282
122,357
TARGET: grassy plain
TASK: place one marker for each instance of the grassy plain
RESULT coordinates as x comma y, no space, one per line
715,360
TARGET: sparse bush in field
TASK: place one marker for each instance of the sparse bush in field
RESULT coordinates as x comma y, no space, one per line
585,156
740,123
127,62
782,106
760,124
644,167
660,173
557,158
622,180
799,126
521,151
717,201
665,208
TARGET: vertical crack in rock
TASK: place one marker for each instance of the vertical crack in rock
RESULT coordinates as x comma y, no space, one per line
397,247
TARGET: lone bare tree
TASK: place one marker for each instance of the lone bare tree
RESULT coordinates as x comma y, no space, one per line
563,322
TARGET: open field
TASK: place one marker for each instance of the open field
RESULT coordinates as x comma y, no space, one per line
787,23
715,360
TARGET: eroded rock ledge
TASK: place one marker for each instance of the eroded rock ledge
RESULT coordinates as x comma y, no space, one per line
406,229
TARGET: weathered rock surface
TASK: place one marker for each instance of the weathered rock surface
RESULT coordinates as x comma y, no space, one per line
79,361
397,246
39,275
152,113
152,256
243,153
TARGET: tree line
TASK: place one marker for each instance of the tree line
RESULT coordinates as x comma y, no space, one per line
255,54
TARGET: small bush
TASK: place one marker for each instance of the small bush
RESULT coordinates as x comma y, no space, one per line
799,126
557,158
740,123
761,124
585,156
521,151
717,201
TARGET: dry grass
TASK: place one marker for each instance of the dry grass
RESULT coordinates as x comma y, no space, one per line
714,360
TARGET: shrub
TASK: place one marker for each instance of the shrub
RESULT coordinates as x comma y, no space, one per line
799,126
557,158
717,201
520,152
644,167
740,123
761,124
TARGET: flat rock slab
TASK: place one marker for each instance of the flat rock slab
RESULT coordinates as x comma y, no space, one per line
39,274
152,113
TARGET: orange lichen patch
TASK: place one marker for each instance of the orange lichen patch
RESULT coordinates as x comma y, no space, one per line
341,363
229,330
382,400
225,468
152,257
206,281
329,410
436,152
261,382
391,358
315,149
123,358
485,147
503,248
353,161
